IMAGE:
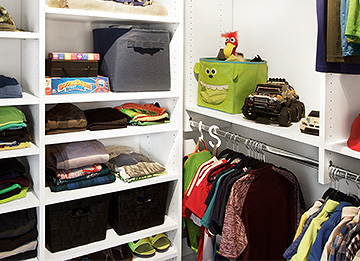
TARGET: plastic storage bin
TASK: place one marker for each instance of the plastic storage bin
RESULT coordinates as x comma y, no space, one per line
76,222
224,85
134,59
138,209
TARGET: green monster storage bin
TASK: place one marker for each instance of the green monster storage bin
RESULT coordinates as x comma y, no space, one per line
224,85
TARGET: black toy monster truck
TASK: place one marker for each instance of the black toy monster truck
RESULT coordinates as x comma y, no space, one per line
275,100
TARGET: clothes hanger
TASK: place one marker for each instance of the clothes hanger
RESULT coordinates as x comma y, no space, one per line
212,133
357,203
350,198
330,190
338,195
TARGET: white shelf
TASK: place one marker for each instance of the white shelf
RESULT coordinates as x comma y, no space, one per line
19,35
29,201
113,239
291,133
32,150
111,96
118,185
27,99
341,147
107,134
101,16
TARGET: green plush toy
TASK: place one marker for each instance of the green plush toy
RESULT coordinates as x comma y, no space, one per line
224,85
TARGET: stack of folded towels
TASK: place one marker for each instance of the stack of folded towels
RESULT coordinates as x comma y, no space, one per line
129,165
77,165
13,183
13,129
18,235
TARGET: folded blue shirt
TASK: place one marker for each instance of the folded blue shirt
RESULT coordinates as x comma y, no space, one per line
9,88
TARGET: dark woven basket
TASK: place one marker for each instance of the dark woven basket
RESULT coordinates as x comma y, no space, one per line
138,209
76,222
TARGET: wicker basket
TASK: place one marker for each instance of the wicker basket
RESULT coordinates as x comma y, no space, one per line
76,222
138,209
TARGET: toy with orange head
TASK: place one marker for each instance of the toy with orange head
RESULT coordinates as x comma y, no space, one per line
231,43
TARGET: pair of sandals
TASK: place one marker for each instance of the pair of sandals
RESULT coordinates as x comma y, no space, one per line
146,247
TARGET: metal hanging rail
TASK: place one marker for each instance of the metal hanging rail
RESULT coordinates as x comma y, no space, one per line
258,146
337,173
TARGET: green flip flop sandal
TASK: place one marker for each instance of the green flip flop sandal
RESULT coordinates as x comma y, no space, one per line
160,242
142,248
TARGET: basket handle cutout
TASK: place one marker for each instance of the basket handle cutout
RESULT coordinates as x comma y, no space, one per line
79,212
143,199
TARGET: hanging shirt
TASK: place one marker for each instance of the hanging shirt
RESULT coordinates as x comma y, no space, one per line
352,31
340,238
315,208
308,240
348,213
353,248
292,249
321,64
271,224
234,239
325,231
205,221
341,253
192,163
195,195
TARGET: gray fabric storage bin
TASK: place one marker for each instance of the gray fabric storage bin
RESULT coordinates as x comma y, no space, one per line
134,59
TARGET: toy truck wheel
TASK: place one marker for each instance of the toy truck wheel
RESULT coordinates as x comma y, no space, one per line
284,117
249,112
302,109
295,112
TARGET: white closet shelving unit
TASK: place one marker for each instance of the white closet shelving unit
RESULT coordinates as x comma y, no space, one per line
23,54
284,33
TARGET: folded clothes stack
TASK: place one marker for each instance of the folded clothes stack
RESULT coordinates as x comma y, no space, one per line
130,165
68,117
64,117
13,129
9,87
13,183
77,165
18,235
147,114
105,119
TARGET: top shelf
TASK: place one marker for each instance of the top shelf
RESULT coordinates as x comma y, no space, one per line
291,133
102,16
19,35
110,96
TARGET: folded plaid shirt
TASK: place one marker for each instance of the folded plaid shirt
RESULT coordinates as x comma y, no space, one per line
83,183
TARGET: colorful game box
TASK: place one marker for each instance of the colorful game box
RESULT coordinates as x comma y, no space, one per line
65,85
74,56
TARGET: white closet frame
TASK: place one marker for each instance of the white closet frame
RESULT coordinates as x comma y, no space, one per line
23,55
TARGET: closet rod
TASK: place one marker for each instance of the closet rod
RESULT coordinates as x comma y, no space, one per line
260,147
337,173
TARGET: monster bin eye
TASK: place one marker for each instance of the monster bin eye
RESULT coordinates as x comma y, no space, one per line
207,71
213,71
